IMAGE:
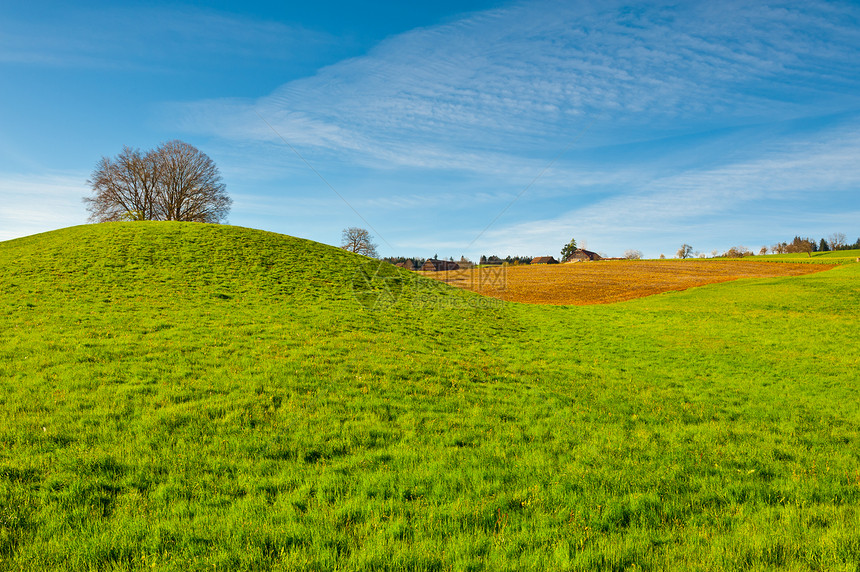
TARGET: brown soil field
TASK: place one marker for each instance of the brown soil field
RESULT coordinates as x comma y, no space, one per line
609,281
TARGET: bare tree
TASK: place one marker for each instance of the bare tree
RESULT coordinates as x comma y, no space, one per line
173,182
806,245
358,240
190,186
124,188
737,252
633,254
837,240
685,251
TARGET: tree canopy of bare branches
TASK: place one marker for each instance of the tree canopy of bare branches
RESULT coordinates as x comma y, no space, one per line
358,240
175,181
686,251
837,240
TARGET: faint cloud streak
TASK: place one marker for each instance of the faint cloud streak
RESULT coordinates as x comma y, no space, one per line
39,203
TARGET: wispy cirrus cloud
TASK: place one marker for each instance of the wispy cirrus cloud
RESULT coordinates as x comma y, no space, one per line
620,119
520,80
157,39
691,112
38,203
801,188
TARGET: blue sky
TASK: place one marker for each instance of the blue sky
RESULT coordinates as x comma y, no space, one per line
455,128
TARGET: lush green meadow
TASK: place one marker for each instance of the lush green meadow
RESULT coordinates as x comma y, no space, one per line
183,396
837,257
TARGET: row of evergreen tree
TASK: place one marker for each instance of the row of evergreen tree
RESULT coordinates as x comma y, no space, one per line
799,244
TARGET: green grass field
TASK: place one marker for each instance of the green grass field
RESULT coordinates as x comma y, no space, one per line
838,257
179,396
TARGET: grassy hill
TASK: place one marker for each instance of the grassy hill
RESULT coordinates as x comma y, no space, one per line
188,396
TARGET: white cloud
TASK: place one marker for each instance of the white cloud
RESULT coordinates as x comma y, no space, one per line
39,203
504,81
784,189
151,38
482,104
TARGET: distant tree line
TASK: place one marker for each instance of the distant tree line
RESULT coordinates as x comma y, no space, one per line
834,242
463,261
417,260
737,252
492,259
512,260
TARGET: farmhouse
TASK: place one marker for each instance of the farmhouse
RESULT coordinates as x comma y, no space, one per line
582,255
407,264
436,265
544,260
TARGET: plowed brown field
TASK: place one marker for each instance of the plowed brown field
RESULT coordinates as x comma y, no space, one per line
609,281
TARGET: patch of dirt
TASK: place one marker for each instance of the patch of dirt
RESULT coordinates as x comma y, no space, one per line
609,281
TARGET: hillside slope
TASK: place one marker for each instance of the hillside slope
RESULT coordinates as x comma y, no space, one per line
188,258
175,396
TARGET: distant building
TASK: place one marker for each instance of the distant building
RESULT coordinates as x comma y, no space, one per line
407,264
544,260
435,265
582,255
465,263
